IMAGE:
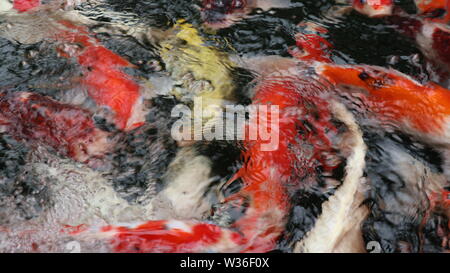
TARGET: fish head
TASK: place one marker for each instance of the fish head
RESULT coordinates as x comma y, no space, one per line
429,6
374,8
223,13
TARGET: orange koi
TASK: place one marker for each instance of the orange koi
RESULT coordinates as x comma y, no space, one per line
387,91
395,98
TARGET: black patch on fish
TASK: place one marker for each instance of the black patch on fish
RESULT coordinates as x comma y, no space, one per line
140,53
20,190
397,209
143,155
307,207
155,13
420,150
232,188
368,45
35,68
225,156
243,79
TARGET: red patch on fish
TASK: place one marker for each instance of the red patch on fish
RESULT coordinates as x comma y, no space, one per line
155,237
441,44
106,82
374,8
25,5
396,97
66,128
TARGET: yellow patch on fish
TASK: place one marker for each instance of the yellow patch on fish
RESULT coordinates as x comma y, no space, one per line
202,71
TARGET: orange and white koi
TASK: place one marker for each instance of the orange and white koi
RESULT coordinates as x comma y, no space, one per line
396,98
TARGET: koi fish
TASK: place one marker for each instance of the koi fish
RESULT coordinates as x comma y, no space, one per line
68,129
374,8
338,227
204,73
222,14
263,199
433,40
106,82
382,94
386,90
436,10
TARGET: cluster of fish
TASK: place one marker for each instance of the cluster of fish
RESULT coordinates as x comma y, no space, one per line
98,149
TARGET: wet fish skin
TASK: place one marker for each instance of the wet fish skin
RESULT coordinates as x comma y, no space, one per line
374,8
106,82
222,14
68,129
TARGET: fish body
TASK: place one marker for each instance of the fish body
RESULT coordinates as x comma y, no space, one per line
263,200
104,77
68,129
386,90
205,74
106,82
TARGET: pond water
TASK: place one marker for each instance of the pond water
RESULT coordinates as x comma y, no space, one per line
90,161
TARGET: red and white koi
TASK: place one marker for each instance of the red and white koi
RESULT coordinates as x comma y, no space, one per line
106,82
104,79
66,128
374,8
25,5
